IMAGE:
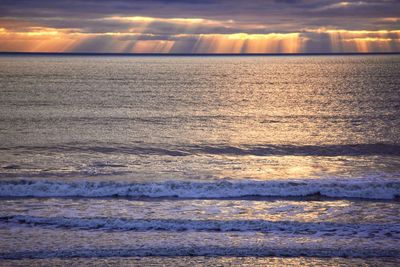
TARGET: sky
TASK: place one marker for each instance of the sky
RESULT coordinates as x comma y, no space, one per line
194,26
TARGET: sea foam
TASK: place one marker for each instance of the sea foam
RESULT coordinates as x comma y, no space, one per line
351,188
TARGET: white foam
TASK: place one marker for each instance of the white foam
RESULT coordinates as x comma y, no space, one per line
351,188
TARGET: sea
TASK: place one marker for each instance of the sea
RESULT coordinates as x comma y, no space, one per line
199,160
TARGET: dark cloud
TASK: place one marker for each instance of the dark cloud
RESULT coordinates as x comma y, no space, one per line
256,10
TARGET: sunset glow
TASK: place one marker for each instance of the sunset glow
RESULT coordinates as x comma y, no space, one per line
199,133
136,31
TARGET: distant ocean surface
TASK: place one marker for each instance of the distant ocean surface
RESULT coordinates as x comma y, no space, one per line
226,160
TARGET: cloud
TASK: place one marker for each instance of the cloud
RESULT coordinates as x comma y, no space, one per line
181,26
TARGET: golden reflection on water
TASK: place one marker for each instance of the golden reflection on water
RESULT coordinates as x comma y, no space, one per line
292,167
208,261
286,210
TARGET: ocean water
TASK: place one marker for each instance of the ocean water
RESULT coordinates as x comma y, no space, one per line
128,160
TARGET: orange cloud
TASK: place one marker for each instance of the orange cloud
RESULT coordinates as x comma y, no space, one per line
138,40
362,40
249,43
152,46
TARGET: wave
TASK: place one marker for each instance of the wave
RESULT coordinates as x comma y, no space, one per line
337,188
293,227
302,150
219,149
210,251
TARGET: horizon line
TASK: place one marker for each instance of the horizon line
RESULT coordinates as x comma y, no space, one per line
196,54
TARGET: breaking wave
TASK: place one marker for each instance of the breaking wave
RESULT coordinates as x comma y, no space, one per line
350,188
